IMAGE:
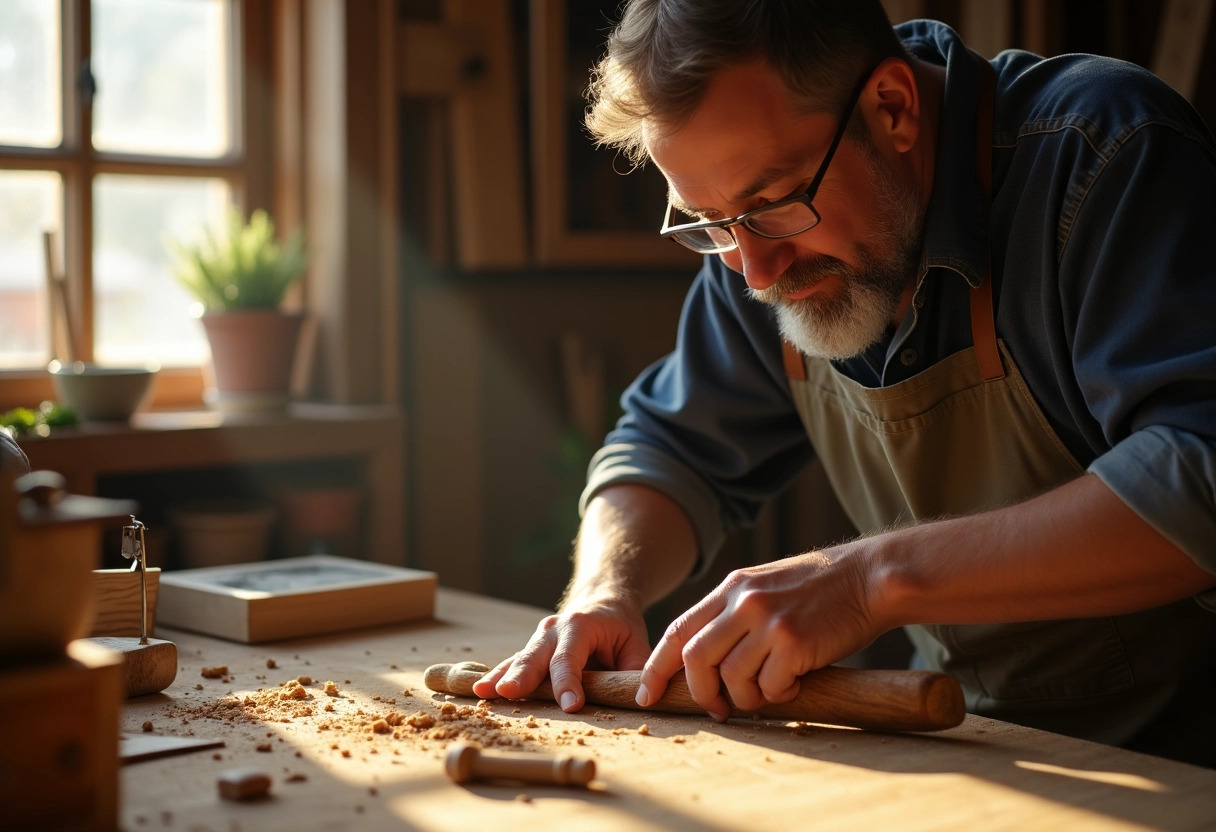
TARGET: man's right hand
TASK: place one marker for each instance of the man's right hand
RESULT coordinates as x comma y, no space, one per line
609,635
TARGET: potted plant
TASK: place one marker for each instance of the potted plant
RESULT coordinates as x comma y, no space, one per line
241,280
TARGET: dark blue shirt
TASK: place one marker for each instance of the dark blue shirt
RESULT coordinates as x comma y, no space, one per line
1103,245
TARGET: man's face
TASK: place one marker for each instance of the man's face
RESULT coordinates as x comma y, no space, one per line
836,287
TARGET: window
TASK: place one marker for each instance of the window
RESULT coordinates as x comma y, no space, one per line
123,124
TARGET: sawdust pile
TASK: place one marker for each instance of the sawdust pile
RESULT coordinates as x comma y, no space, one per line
345,716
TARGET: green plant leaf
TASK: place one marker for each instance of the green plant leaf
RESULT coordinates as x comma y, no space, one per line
246,269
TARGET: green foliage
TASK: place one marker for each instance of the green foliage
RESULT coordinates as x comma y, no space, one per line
246,269
23,420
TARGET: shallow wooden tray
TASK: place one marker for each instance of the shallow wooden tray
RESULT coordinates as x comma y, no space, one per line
293,597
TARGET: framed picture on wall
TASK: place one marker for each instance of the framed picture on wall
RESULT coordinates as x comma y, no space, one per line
590,208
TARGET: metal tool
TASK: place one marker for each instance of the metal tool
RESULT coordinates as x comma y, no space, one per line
149,665
135,548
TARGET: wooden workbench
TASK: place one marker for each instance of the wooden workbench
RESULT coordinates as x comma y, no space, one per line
332,770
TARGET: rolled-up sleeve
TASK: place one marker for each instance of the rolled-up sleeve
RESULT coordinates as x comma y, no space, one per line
1144,347
712,425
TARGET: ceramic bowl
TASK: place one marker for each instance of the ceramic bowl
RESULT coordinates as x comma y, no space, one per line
101,394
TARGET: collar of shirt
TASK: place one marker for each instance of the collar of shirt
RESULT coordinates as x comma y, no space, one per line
955,233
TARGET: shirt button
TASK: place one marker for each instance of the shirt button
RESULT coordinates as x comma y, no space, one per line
908,357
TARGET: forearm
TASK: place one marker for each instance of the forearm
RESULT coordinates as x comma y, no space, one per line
1076,551
634,543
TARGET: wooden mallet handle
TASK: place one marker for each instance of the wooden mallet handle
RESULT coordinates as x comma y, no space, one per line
467,762
876,700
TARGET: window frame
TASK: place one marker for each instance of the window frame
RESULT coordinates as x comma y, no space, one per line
246,170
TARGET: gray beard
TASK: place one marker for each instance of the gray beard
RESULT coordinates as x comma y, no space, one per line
865,301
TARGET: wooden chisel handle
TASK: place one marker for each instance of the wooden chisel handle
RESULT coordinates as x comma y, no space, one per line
876,700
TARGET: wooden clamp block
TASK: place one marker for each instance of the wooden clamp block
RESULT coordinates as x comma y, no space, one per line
116,602
147,668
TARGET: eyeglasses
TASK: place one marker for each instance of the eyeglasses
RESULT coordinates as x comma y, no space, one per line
783,218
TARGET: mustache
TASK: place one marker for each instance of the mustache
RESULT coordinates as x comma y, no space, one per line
800,275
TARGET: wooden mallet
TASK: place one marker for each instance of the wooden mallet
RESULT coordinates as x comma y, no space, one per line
876,700
466,762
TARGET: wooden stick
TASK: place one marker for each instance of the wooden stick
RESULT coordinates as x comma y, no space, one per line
467,762
56,285
876,700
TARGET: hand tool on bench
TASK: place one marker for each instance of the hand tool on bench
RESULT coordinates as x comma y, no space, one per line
149,664
876,700
466,762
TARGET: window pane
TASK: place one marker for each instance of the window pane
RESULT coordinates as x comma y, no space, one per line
30,80
142,313
161,68
31,202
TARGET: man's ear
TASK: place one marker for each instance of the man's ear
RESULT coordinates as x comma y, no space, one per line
893,100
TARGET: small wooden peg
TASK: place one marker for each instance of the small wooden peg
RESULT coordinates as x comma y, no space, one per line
467,762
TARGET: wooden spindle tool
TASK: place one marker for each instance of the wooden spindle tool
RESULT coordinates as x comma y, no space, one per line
876,700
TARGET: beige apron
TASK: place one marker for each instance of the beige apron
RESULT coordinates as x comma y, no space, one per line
965,436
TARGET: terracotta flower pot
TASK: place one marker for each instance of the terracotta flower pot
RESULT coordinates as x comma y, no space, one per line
221,532
252,356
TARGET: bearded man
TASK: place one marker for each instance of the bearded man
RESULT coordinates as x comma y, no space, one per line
981,293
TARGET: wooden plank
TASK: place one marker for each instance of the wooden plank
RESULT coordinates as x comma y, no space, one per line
348,167
487,153
987,25
117,602
901,10
1181,36
1041,26
389,209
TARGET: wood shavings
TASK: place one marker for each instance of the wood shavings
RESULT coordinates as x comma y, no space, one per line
370,719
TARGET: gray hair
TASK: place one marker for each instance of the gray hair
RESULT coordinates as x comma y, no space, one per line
663,54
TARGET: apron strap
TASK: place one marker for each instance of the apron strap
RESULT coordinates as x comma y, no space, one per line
794,367
983,323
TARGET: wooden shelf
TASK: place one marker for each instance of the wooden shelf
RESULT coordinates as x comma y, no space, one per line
169,441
